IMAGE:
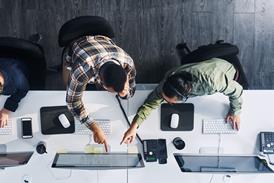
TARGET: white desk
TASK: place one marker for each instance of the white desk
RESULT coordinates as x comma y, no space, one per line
103,104
256,117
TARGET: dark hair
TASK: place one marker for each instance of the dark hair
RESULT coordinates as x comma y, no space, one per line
1,88
114,76
178,85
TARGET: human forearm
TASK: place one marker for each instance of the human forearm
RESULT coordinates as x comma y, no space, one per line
234,91
12,102
235,106
74,101
153,101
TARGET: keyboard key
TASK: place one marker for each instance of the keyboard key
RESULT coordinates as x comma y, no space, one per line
217,126
7,130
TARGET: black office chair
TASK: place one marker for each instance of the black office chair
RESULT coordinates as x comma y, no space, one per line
220,49
83,26
31,54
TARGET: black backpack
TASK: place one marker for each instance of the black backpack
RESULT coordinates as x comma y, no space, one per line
220,49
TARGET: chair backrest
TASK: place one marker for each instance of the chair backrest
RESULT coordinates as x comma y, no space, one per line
83,26
28,52
226,51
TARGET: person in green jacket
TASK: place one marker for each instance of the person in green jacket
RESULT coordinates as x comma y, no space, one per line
190,80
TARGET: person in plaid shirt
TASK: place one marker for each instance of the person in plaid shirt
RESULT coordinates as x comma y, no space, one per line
97,60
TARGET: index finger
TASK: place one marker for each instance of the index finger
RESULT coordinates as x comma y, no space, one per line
123,140
106,145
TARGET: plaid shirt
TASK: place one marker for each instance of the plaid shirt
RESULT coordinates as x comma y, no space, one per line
85,57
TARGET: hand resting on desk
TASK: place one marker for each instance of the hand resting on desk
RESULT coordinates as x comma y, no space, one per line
234,120
4,117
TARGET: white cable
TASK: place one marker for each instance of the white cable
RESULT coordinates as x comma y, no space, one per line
270,159
56,178
218,156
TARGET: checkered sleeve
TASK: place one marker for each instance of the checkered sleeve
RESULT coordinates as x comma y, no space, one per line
78,80
131,72
132,83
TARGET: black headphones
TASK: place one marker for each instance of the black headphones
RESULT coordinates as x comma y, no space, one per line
180,95
175,90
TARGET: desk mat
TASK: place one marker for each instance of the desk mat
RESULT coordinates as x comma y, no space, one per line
186,116
50,123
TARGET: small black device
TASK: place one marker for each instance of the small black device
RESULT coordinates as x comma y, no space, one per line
267,142
41,147
178,143
26,128
150,150
155,149
162,151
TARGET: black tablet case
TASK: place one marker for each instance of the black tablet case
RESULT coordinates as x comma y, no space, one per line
186,116
50,123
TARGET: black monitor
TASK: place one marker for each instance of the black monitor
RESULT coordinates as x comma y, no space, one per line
95,161
11,159
222,163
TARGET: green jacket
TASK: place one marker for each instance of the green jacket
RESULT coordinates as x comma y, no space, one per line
214,75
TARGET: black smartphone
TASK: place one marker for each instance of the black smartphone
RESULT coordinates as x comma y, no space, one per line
26,128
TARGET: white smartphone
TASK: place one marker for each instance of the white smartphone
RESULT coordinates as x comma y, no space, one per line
26,128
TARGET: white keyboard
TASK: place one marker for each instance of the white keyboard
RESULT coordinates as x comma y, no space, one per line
81,129
217,126
7,130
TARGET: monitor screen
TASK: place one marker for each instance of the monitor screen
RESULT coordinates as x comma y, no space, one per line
98,161
14,159
213,163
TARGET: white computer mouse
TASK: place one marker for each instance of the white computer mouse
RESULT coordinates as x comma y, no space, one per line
64,120
174,121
